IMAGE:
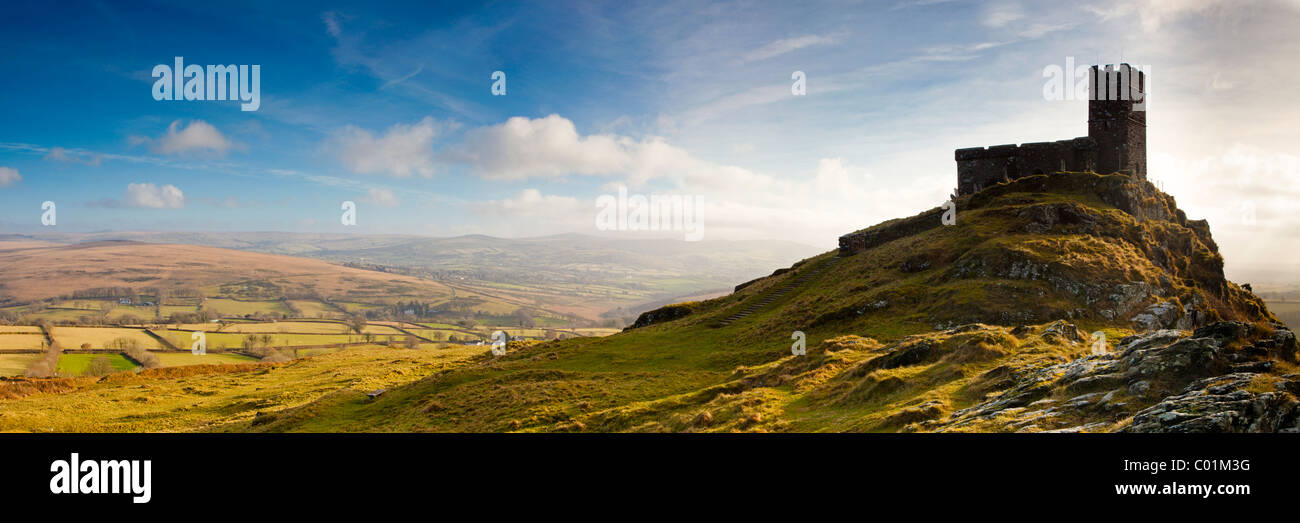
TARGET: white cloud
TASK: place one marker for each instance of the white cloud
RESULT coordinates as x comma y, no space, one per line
150,196
198,136
381,197
550,147
402,151
786,45
9,176
544,147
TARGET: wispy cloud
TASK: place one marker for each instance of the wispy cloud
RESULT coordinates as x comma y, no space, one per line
59,154
786,45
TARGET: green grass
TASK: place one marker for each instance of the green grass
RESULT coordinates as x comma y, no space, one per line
77,364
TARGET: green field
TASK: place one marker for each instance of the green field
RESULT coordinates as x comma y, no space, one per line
76,364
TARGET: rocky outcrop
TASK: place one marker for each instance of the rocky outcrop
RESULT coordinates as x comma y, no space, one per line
891,230
664,314
1226,404
1219,379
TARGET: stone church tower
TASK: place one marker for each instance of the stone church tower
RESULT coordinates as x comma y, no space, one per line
1116,141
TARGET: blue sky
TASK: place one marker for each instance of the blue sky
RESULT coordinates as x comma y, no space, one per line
390,106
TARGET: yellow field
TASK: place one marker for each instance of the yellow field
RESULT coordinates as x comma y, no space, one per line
143,313
288,326
314,309
355,307
379,329
22,341
15,364
100,337
19,329
229,307
445,334
176,359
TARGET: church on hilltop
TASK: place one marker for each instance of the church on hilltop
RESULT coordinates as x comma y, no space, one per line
1116,141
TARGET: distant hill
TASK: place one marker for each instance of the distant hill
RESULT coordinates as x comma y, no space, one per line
38,270
581,275
1063,302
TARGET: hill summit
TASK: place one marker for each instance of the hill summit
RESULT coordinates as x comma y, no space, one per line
1066,302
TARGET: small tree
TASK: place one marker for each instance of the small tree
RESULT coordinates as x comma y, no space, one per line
357,323
100,366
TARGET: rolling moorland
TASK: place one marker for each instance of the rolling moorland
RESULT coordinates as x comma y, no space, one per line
1069,302
588,278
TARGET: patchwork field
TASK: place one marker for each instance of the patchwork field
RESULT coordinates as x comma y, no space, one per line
309,327
233,340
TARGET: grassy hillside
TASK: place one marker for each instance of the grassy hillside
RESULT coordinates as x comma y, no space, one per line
886,346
